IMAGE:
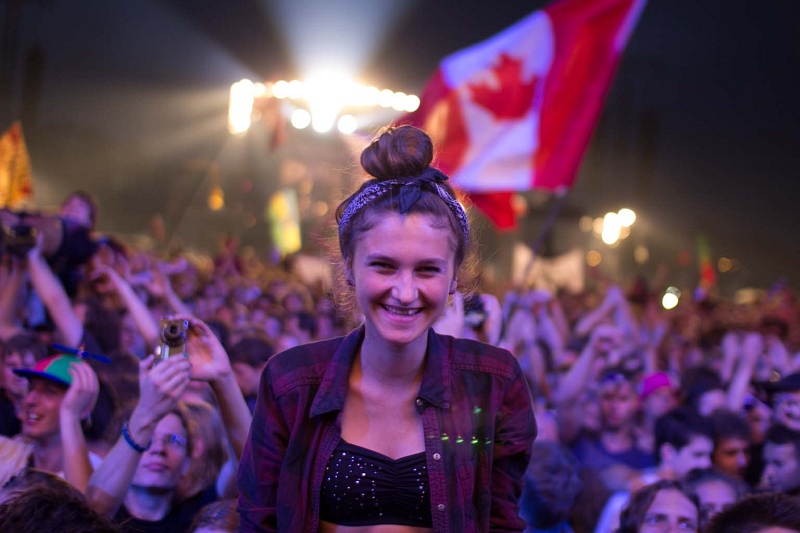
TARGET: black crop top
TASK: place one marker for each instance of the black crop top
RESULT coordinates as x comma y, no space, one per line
365,488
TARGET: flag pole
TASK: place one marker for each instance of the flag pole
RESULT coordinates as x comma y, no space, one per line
555,210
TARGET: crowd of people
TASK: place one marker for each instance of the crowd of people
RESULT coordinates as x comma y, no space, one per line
408,395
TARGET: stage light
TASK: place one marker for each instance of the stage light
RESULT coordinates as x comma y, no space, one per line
385,98
301,119
671,298
611,228
626,217
412,103
399,101
240,106
347,124
281,89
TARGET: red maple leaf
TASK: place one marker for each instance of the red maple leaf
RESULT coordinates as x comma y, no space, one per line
509,96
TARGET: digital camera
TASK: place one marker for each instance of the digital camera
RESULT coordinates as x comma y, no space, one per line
173,335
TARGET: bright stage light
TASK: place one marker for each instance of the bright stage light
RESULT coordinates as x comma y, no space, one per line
240,106
281,89
347,124
626,217
412,103
611,228
301,119
386,98
671,298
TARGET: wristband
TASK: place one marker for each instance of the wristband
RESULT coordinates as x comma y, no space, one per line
132,443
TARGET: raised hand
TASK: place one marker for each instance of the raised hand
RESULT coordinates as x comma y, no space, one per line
161,385
82,394
208,357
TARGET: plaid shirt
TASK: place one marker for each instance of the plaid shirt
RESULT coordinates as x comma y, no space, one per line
476,413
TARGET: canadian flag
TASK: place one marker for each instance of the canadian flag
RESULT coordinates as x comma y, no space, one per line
516,112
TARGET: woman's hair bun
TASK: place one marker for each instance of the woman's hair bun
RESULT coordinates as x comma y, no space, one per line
398,152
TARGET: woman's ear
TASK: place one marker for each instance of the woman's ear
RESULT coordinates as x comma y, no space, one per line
454,286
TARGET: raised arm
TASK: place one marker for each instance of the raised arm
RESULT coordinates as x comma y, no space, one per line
751,350
210,363
54,297
12,279
577,378
76,406
141,315
160,387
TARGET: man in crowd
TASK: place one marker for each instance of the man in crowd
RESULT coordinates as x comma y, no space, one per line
61,393
782,460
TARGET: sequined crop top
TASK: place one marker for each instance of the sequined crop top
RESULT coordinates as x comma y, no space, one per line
365,488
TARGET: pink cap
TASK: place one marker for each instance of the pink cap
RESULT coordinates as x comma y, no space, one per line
653,382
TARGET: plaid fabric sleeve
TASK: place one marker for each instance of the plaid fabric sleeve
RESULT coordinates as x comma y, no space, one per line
259,467
514,435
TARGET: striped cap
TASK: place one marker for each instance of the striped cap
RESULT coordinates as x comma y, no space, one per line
55,368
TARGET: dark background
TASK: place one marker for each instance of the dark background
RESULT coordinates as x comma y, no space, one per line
128,100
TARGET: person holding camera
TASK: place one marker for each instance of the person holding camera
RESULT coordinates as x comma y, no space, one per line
393,427
138,481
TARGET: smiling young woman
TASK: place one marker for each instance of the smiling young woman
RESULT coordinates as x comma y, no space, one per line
392,427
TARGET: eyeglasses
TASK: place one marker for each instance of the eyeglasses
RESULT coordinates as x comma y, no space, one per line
171,440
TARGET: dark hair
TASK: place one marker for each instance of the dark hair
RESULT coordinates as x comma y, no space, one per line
253,351
40,501
106,417
756,512
727,424
25,342
678,427
698,381
552,483
635,510
781,435
89,200
397,153
218,515
698,477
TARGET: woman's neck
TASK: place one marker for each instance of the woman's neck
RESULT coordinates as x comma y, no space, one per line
391,364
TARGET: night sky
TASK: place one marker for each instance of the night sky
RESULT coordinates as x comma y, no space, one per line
130,90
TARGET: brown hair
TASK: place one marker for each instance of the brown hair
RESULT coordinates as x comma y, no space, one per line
398,153
633,513
209,455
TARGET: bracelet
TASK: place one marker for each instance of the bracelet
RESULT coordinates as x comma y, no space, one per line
132,443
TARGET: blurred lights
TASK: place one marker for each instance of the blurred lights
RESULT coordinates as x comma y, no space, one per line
593,258
325,97
671,298
347,124
641,254
216,198
585,224
301,119
626,217
240,106
724,265
611,228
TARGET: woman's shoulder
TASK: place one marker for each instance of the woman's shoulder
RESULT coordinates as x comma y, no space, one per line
305,364
470,354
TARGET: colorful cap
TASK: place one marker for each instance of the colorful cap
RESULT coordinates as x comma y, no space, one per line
653,382
55,368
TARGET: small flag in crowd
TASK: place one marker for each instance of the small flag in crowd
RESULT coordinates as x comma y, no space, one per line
516,112
16,184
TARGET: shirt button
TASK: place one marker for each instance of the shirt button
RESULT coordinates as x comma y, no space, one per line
440,507
420,403
437,456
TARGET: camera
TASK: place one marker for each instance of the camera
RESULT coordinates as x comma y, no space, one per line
474,312
173,335
18,239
